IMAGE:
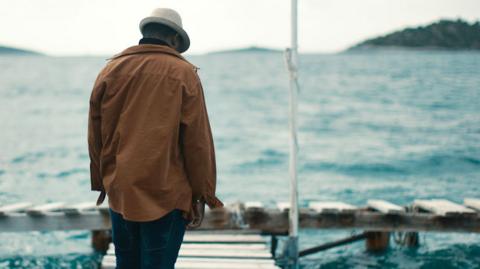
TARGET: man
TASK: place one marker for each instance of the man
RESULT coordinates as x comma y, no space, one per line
151,146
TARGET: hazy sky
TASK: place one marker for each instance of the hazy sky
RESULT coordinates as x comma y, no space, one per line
64,27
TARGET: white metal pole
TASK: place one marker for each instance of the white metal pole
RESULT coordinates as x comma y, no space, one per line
293,215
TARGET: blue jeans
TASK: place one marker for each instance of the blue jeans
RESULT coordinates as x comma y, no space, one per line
147,245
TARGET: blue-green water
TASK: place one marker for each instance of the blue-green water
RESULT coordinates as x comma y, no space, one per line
392,125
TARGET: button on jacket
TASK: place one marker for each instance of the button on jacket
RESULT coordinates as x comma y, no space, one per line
150,142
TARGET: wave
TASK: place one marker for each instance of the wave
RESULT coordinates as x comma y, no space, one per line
429,164
34,156
454,256
71,172
269,158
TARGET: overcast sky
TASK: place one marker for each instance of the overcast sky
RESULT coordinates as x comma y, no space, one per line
103,27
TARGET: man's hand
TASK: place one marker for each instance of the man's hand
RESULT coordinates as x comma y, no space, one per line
198,211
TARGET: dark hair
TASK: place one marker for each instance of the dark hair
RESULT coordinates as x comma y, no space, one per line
156,30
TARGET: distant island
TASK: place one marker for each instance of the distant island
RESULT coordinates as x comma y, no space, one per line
444,34
252,49
15,51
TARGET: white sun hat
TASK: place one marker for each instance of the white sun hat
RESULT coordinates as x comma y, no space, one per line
170,18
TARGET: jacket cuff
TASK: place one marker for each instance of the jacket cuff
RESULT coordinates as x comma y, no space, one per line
96,187
96,183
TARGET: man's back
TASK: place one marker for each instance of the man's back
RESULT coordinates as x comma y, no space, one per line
148,111
150,144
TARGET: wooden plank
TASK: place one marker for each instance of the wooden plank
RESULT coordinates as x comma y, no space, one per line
76,209
222,238
472,203
283,206
221,265
331,206
224,250
42,209
11,208
111,257
203,265
242,247
253,205
224,253
376,221
442,207
231,260
208,263
384,206
55,221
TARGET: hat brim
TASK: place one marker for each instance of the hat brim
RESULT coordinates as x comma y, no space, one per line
185,40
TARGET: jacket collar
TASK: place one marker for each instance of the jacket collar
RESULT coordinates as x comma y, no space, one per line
154,41
148,48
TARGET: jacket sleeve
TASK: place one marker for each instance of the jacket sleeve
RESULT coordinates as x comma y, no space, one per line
94,135
197,146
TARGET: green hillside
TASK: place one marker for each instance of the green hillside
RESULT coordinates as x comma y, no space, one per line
444,34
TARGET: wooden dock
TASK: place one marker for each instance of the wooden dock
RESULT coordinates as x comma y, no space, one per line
221,239
202,250
437,215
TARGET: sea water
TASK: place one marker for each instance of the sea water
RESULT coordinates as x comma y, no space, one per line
398,125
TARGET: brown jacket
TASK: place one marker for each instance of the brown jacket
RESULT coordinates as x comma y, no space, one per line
150,143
